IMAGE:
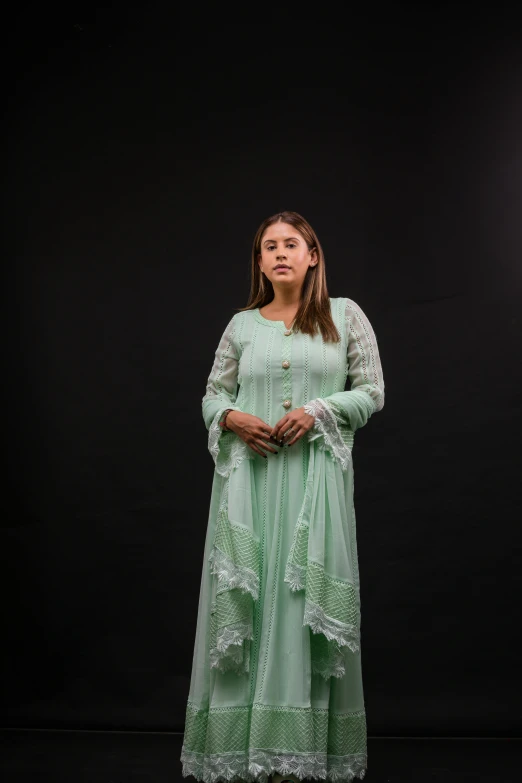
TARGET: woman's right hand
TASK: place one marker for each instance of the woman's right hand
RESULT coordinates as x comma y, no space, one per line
253,430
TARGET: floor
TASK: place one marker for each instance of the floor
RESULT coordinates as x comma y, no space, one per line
35,756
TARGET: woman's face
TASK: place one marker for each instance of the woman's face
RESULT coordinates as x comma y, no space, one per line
284,256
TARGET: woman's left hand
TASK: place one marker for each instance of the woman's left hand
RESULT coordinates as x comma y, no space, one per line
292,427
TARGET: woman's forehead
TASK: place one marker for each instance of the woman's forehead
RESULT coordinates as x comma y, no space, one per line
281,231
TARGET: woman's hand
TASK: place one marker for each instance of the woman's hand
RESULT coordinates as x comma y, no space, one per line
253,430
292,426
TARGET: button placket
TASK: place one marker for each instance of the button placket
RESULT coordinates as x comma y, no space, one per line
285,364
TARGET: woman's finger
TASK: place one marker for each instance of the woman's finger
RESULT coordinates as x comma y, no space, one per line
254,446
269,448
278,429
287,433
295,436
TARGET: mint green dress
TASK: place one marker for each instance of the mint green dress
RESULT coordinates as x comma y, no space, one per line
276,681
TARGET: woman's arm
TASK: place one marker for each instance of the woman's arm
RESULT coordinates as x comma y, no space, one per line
352,408
221,389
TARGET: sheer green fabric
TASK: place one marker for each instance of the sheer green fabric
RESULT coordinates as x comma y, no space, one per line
276,681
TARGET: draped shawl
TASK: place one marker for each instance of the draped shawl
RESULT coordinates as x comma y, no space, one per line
320,562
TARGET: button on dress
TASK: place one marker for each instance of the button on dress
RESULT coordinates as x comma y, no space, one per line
276,682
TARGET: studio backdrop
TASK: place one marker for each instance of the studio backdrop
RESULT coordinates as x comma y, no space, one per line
139,173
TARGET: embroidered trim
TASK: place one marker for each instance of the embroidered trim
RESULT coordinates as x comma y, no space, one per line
234,560
363,348
286,355
250,741
233,451
345,634
332,606
229,652
295,575
326,425
296,564
259,764
331,665
233,575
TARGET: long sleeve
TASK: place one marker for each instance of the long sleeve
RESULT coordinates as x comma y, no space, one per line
347,411
220,394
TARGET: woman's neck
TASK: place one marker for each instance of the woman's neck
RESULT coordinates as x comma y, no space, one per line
290,302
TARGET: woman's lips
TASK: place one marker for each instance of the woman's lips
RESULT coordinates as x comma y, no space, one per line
282,269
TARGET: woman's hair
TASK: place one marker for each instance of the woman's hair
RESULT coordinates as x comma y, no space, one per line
314,308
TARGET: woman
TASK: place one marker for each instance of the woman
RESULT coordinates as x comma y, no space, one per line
276,687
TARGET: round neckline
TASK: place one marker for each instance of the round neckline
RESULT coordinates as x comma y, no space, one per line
270,322
277,324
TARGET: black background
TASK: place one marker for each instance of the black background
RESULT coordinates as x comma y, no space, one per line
144,149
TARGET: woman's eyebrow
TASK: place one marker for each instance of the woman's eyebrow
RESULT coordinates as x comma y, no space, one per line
286,239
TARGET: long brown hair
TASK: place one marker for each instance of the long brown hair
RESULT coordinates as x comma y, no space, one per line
313,313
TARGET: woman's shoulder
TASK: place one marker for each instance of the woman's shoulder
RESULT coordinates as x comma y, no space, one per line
350,305
344,304
345,300
238,320
352,310
241,316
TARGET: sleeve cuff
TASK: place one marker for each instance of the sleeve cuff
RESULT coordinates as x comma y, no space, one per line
226,448
325,426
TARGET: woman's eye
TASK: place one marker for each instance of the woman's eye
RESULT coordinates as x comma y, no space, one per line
291,244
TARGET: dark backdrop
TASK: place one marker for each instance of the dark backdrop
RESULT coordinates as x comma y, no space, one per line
143,153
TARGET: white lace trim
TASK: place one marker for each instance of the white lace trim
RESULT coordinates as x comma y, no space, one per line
330,667
228,652
238,448
345,634
295,576
233,575
257,765
326,425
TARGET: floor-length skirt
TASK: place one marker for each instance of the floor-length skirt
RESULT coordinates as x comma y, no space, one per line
280,714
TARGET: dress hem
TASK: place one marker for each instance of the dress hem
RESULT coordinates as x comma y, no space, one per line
259,764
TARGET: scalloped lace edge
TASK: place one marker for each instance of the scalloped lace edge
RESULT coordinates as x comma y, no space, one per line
257,765
326,425
295,576
228,654
330,667
342,634
345,634
233,575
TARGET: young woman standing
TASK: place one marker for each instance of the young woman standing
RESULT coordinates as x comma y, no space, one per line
276,686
